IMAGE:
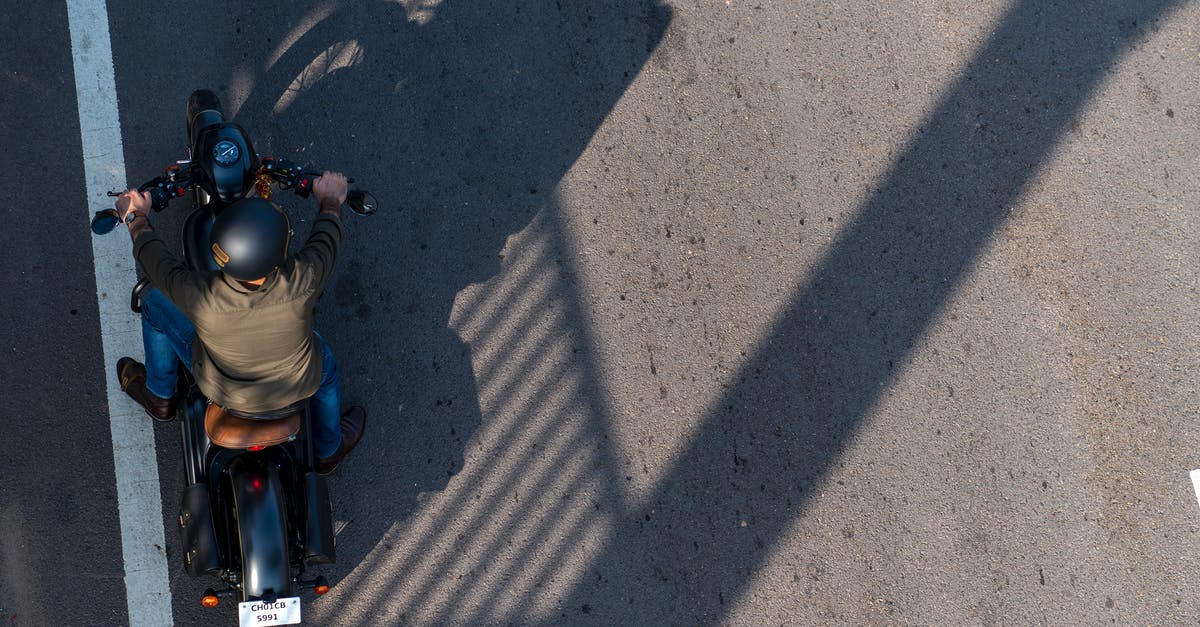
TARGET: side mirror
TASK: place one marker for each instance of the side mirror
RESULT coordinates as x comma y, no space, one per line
105,221
362,202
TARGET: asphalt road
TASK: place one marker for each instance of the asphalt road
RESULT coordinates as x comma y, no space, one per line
725,312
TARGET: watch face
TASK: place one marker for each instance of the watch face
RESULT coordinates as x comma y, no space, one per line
226,153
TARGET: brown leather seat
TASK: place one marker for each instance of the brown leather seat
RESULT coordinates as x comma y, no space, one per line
229,431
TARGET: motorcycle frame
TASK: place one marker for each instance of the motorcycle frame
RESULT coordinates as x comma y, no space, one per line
256,517
254,499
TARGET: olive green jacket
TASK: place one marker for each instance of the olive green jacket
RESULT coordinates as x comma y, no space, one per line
255,349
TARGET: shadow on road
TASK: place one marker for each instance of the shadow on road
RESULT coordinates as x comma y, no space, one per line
747,476
464,117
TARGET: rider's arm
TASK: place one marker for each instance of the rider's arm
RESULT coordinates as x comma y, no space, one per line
134,208
331,190
317,256
165,270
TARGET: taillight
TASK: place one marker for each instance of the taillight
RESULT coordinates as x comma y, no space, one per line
255,448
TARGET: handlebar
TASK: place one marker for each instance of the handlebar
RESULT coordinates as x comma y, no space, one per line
178,178
291,176
164,189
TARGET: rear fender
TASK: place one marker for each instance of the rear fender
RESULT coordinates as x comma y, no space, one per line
258,500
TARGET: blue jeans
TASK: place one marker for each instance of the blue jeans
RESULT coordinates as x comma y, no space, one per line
167,335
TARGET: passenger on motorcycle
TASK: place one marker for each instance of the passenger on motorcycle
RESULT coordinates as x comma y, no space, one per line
246,332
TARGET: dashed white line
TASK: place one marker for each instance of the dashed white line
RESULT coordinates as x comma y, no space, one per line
142,547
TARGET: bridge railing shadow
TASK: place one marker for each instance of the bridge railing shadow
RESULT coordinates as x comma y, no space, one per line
532,503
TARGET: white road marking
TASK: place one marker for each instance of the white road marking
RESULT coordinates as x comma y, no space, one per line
1196,484
142,546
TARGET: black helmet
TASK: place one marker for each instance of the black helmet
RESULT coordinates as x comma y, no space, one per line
250,239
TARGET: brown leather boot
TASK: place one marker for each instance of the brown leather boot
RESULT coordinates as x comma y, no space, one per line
353,423
132,375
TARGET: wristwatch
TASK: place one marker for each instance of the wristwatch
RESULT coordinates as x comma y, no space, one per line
131,216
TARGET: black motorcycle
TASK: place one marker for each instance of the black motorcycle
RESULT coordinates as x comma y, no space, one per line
254,512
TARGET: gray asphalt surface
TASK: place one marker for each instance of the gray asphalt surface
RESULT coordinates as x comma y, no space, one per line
733,312
60,547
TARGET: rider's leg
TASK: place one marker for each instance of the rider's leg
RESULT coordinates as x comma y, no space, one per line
327,406
335,434
167,336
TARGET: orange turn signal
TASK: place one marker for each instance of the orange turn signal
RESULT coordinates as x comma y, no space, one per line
210,600
321,589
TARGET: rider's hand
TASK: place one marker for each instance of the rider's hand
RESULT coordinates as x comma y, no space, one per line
132,200
332,187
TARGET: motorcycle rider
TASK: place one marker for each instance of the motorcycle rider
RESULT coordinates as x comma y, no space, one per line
246,332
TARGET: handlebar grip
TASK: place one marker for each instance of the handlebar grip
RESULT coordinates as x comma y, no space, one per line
316,174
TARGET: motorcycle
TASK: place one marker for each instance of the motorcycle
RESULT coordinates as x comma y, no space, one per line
254,513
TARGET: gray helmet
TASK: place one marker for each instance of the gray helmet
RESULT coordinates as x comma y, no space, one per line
250,239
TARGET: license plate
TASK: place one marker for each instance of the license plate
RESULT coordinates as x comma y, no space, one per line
260,613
